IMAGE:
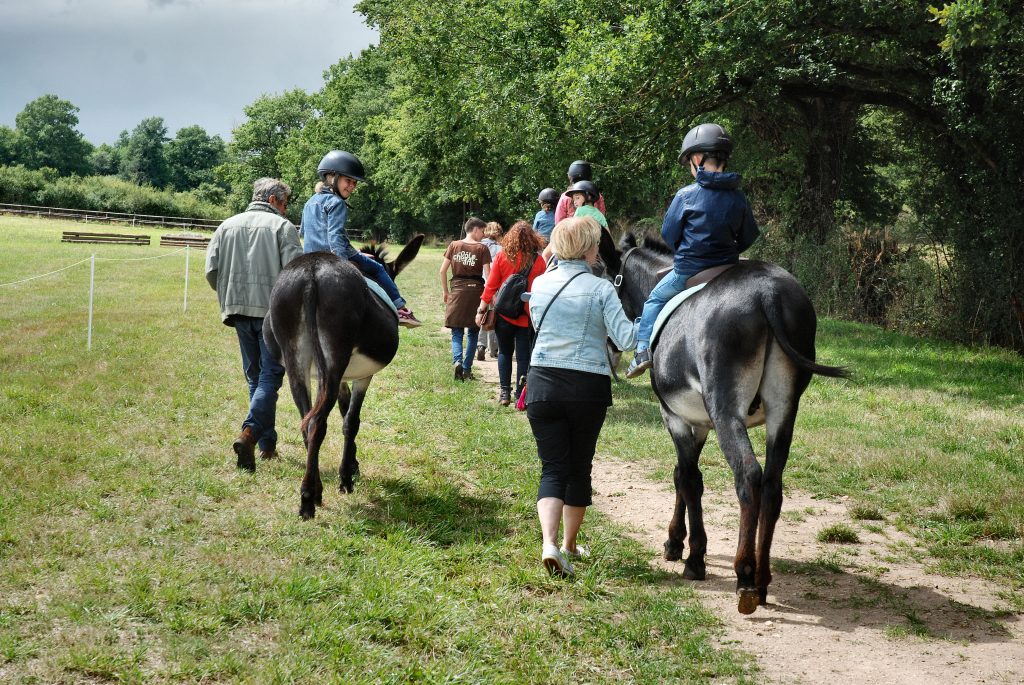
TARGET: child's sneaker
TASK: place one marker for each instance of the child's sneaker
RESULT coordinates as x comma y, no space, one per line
641,362
408,319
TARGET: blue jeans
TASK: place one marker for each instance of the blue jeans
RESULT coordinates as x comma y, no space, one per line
668,287
264,376
371,268
457,348
512,338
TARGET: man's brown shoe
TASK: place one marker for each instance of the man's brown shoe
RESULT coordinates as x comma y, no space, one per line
245,448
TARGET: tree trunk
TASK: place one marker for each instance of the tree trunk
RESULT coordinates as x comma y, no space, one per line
829,125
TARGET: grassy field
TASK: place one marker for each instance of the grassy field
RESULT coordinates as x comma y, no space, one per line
132,550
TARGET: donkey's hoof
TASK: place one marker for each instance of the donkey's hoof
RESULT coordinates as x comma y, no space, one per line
748,600
673,551
346,488
694,571
762,595
307,508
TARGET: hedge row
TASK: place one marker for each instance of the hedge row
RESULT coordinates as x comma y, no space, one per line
44,187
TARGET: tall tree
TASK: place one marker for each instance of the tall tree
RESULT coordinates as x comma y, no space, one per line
105,160
253,152
142,153
9,146
192,157
49,137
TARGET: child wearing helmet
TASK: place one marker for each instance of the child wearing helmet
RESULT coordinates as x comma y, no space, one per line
578,171
323,224
544,220
708,223
583,195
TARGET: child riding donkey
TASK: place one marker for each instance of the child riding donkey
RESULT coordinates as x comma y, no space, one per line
709,223
323,224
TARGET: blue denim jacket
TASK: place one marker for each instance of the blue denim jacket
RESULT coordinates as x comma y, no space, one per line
323,225
583,315
544,223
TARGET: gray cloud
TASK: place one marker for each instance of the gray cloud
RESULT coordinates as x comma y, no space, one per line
188,61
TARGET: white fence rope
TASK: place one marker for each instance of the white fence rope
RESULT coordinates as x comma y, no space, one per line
92,278
32,278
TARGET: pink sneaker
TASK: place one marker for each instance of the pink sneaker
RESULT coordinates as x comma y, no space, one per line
408,319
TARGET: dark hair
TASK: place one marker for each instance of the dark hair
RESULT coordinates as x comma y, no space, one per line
472,223
520,239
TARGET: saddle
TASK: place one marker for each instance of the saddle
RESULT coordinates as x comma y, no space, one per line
693,285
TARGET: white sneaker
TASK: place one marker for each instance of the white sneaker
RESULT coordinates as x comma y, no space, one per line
580,552
555,562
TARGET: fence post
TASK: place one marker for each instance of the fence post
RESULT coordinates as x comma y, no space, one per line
92,288
187,250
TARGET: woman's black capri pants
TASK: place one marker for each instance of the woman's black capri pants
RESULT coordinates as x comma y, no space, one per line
566,435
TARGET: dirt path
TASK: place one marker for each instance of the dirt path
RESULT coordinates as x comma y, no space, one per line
863,613
862,624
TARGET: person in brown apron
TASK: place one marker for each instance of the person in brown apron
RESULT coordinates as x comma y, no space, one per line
470,263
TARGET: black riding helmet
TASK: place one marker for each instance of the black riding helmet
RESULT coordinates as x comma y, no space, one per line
548,195
706,138
580,171
585,187
343,163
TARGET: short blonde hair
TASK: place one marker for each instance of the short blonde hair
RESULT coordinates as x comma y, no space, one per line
493,230
574,236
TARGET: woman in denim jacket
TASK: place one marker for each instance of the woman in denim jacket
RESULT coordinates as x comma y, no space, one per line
569,388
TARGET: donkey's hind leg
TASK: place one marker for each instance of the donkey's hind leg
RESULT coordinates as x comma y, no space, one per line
780,418
344,400
314,430
689,482
349,464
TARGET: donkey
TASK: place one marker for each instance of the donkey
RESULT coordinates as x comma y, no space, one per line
323,313
737,354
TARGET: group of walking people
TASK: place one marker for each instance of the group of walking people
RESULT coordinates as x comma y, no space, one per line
559,339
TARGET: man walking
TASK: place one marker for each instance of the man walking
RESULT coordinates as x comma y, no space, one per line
243,259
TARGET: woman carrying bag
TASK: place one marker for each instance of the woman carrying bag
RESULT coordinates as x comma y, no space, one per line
569,389
520,252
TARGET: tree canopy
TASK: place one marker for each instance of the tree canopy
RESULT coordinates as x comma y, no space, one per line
47,136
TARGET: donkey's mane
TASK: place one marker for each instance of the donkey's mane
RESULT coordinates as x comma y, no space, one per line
377,251
656,244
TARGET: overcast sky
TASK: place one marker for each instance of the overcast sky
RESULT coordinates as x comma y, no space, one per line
188,61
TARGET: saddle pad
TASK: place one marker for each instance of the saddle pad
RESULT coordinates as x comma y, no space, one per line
379,292
670,307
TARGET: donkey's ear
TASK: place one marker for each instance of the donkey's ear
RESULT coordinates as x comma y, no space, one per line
628,241
609,254
408,253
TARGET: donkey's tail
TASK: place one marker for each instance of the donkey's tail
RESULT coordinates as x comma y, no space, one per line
774,316
310,297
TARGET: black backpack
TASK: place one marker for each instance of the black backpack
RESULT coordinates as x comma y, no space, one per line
508,300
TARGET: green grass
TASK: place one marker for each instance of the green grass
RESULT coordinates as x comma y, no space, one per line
132,549
838,533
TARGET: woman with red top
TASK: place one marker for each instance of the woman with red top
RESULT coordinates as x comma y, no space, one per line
520,247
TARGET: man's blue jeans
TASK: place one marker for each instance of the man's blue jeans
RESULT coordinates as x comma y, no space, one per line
460,354
371,268
668,287
264,376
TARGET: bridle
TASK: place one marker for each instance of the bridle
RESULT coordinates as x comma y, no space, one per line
622,267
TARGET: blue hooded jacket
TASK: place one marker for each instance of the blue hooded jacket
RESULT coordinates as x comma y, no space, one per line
709,223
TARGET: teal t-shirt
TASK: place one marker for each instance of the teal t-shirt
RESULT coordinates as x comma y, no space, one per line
594,213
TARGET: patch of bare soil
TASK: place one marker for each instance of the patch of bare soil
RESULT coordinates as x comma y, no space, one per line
862,613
